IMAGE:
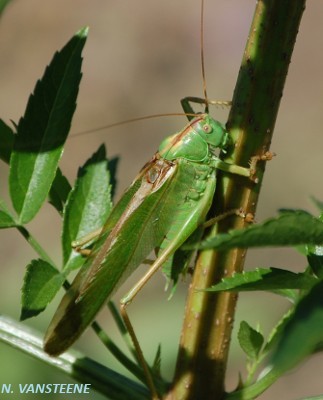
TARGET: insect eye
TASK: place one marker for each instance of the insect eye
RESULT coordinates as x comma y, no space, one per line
207,128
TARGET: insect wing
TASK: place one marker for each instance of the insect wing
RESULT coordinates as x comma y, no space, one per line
132,231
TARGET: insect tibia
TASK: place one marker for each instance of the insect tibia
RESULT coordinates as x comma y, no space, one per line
185,102
248,217
140,355
199,100
267,156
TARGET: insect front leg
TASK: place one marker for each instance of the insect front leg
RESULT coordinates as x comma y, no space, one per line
267,156
188,109
243,171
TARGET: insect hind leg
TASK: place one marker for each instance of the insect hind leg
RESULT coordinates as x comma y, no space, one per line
140,355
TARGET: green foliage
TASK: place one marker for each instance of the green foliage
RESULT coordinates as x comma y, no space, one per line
315,259
87,206
6,219
3,4
290,228
33,155
6,144
41,283
305,327
303,321
59,191
250,340
42,132
79,367
265,279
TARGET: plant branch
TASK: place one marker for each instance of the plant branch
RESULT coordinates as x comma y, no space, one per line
26,234
74,364
35,245
207,327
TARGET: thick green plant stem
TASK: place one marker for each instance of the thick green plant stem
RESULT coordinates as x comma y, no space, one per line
204,345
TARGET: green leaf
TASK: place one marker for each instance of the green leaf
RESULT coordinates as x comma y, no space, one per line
250,340
3,5
291,228
42,131
156,366
59,191
276,331
265,279
113,166
317,203
73,364
315,259
290,294
303,333
6,141
87,207
6,220
41,283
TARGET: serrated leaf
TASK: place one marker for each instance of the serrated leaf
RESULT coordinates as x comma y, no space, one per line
6,141
265,279
315,259
88,205
6,220
303,333
157,362
42,131
276,332
41,283
250,340
59,191
290,294
113,166
289,229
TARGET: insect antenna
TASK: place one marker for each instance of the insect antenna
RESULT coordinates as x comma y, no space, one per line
205,99
202,58
131,120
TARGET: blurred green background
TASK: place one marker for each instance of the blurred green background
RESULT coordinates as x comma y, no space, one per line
141,58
